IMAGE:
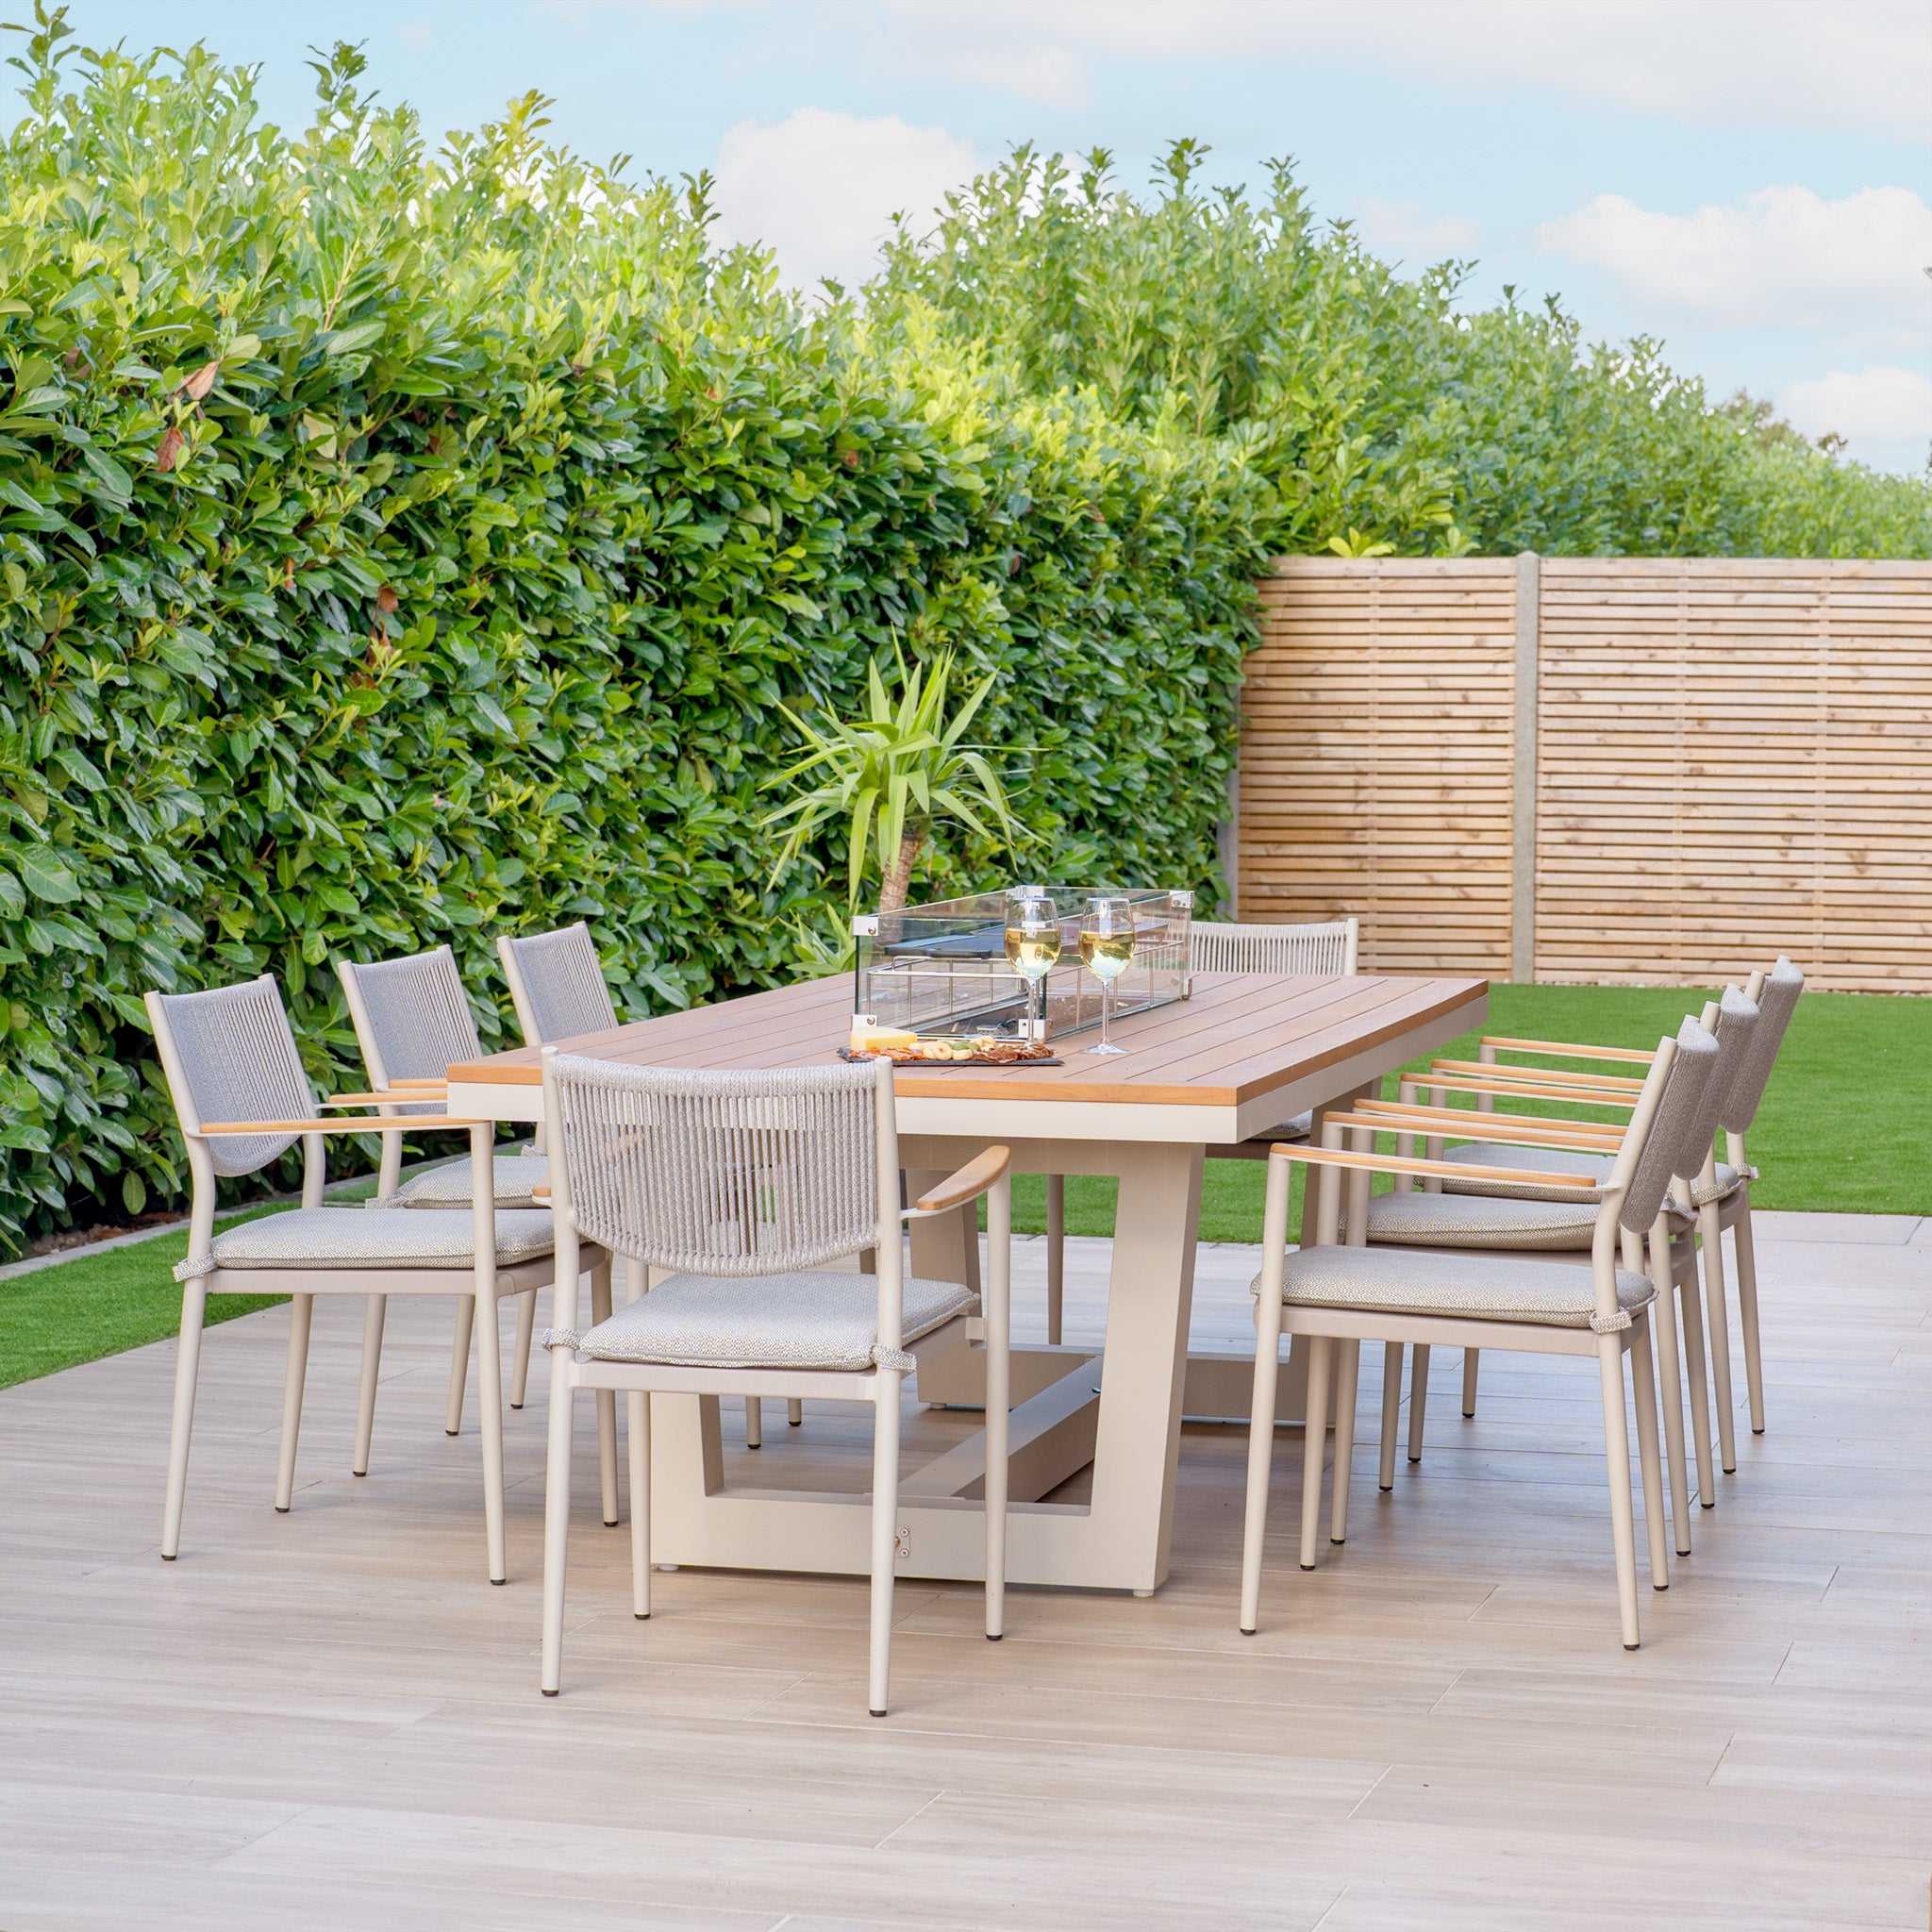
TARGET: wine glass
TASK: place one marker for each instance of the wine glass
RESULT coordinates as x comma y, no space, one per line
1033,943
1107,950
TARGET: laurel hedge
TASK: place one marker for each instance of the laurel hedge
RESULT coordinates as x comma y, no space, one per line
396,549
398,546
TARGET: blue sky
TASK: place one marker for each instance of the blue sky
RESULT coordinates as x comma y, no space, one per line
1748,179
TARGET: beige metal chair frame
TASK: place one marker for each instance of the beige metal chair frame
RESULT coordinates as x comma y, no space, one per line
1339,1330
1328,949
571,1370
483,1282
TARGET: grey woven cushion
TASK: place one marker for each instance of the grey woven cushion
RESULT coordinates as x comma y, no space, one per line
1717,1188
1298,1128
1555,1294
1467,1221
377,1238
449,1186
811,1319
1538,1161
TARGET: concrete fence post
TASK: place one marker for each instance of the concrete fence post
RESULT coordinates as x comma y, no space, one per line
1523,829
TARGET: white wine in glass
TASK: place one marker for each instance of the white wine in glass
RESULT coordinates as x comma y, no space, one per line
1107,950
1033,943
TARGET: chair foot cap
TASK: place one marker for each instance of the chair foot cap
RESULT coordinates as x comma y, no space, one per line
499,1581
1758,1432
879,1713
995,1635
459,1432
798,1424
1386,1489
282,1508
1308,1566
516,1404
358,1472
1660,1588
1630,1646
1415,1458
1338,1540
1703,1505
642,1615
1247,1633
166,1558
550,1693
610,1523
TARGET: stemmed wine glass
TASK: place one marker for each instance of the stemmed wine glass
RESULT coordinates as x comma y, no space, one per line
1107,950
1033,943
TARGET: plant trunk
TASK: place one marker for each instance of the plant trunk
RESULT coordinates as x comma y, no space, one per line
899,880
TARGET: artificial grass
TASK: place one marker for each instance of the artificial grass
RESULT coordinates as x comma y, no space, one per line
1843,1128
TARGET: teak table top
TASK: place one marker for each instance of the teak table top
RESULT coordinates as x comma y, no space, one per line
1240,1036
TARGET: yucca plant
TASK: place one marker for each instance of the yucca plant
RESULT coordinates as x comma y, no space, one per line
894,774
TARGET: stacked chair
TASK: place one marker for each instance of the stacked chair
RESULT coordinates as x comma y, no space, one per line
1381,1269
242,1099
745,1186
1327,950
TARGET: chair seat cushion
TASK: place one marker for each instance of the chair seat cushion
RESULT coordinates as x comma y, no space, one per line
810,1319
376,1238
1299,1129
1715,1189
1488,1288
1537,1161
449,1186
1468,1221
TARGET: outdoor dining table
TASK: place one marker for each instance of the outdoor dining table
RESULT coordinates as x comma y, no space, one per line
1243,1054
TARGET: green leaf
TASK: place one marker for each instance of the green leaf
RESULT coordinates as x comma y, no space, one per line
46,876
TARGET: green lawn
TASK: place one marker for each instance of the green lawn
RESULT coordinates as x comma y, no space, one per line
1843,1127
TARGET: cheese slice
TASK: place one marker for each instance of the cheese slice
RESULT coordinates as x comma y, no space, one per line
873,1039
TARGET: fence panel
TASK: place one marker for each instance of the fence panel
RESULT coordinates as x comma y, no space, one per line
1733,758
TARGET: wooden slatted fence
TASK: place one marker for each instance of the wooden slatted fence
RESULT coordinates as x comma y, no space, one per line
1632,770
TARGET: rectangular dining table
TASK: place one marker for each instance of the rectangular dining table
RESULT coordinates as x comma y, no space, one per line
1243,1054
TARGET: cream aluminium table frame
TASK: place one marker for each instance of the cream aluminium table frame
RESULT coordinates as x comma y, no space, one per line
1246,1051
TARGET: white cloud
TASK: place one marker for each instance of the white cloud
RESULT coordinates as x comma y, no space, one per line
1864,64
1783,257
821,188
1404,228
1884,413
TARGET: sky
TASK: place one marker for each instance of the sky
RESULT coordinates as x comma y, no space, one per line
1746,179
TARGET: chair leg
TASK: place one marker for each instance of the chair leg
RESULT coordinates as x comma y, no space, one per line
181,1429
885,1534
1056,1255
1669,1372
489,1395
1747,1315
639,1405
557,1520
1348,1357
1315,1442
998,1303
1617,1457
1418,1400
795,1413
520,1367
1643,1386
1690,1302
1260,1456
377,1307
607,1404
460,1362
1392,1411
300,1315
1471,1357
1720,1328
754,1422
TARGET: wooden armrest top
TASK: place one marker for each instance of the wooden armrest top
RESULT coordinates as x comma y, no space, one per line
1577,1096
1563,1047
972,1181
393,1097
1464,1124
539,1190
364,1124
1490,1070
439,1084
1449,1170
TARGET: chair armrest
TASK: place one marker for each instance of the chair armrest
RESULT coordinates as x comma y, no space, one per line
1576,1096
972,1181
539,1190
1489,1069
366,1125
438,1084
393,1097
1401,1163
1565,1050
1464,1124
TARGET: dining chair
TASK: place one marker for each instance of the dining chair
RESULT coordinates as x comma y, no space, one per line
1468,1205
242,1100
413,1021
745,1186
1722,1193
1329,949
1342,1291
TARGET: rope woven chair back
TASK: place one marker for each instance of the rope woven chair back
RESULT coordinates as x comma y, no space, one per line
1323,949
1777,1000
1670,1148
563,994
1735,1029
721,1173
412,1018
239,1061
